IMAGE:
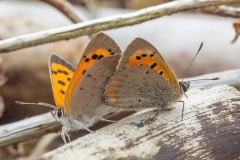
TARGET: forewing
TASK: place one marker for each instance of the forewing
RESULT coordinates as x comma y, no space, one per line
141,52
61,73
99,47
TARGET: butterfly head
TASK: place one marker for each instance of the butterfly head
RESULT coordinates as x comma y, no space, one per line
184,85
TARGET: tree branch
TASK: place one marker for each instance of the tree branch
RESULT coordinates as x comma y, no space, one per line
90,27
66,8
224,11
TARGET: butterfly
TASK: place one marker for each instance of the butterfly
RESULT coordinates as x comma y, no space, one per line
78,93
143,79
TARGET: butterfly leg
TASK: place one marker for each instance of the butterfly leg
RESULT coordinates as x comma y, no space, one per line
64,134
182,109
83,126
103,119
154,117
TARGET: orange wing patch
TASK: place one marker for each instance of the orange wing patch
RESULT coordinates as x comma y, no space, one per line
111,94
61,74
154,61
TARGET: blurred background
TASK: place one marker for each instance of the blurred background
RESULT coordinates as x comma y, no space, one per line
24,73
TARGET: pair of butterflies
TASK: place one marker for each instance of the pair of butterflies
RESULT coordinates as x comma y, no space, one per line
105,79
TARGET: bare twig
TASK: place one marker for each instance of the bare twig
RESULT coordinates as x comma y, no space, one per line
224,11
92,6
27,129
90,27
66,8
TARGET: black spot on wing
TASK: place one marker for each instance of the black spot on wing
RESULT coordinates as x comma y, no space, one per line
95,56
63,92
87,60
61,83
65,72
54,72
100,56
153,65
138,58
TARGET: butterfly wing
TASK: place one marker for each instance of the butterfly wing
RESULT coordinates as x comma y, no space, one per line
87,98
143,78
61,73
99,47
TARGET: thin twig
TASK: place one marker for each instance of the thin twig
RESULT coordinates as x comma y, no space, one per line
66,8
90,27
224,11
27,129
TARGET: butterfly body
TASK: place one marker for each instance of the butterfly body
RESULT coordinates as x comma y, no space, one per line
143,79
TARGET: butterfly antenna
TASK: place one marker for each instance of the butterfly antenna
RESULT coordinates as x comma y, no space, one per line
36,103
187,70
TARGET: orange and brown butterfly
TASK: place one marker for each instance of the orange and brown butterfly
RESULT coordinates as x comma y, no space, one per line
78,93
143,79
65,78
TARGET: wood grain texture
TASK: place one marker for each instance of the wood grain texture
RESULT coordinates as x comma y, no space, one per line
209,130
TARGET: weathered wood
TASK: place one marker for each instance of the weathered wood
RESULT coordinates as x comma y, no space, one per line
209,130
28,128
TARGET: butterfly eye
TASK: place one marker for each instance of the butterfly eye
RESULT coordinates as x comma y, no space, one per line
59,113
184,85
